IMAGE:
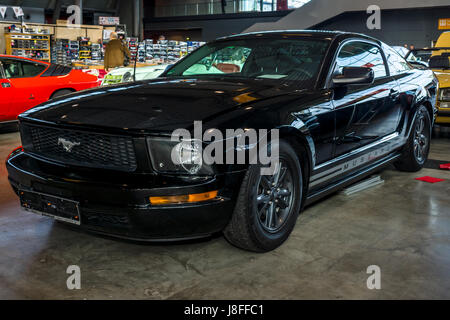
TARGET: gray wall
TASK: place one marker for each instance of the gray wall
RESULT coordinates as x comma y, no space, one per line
318,11
32,15
418,27
211,27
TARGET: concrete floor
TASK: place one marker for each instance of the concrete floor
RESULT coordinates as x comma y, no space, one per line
402,226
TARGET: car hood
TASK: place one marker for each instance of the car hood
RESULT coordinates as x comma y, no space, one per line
157,105
444,78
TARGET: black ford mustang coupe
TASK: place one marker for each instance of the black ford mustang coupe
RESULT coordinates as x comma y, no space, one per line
344,105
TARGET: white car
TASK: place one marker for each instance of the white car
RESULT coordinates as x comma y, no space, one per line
121,75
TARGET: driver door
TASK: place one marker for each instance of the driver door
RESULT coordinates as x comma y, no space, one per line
364,113
5,96
21,75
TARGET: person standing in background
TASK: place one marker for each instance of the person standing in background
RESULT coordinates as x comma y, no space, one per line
116,52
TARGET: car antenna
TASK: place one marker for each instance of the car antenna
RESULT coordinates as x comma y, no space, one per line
135,63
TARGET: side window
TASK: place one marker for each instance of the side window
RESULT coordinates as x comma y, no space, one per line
21,69
397,64
2,73
31,69
361,54
12,69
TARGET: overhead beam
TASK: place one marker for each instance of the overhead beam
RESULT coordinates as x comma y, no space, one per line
56,11
318,11
117,11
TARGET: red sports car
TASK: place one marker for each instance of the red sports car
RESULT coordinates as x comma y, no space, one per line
25,83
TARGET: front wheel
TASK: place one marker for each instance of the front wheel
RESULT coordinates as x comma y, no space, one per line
268,206
417,148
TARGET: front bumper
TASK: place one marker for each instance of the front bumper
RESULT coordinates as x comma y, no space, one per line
117,205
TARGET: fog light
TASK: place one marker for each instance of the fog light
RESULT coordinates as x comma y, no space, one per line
187,198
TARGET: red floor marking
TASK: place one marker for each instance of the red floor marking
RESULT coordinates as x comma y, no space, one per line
430,179
445,166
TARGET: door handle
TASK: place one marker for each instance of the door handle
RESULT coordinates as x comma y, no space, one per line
6,85
31,97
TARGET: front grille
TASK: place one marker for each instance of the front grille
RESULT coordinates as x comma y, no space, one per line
82,148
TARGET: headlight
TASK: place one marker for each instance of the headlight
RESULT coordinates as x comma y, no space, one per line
185,157
445,95
188,154
127,77
443,104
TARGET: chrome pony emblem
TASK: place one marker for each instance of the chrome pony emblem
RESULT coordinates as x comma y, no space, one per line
67,145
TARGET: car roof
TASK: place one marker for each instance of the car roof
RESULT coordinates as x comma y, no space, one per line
23,58
315,34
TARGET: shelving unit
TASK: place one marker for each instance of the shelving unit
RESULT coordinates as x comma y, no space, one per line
165,51
28,45
133,46
48,46
60,52
85,52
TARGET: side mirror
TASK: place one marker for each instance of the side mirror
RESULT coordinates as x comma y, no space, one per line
354,76
169,67
164,73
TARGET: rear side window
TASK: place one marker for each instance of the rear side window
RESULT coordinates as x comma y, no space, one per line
397,64
56,70
32,69
361,54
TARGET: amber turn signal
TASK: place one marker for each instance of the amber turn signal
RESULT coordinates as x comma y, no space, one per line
187,198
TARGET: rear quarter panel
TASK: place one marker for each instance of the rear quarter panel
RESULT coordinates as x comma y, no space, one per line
76,80
79,80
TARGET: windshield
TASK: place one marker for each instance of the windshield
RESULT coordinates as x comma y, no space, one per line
290,60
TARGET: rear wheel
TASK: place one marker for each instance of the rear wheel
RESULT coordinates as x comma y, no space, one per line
61,93
418,146
268,206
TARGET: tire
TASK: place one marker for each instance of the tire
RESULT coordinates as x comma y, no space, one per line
9,127
61,93
417,148
250,227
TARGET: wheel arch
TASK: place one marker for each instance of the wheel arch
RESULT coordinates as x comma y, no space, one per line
427,104
301,141
72,90
412,114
